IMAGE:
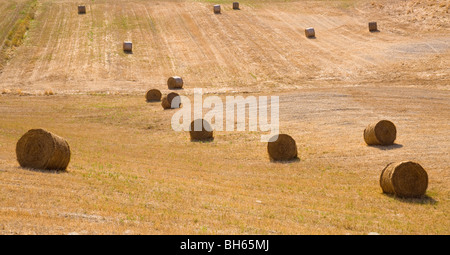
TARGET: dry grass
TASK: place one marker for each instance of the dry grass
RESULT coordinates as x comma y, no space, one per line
16,35
235,51
130,173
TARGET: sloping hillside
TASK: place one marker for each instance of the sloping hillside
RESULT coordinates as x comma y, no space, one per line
14,24
261,47
132,173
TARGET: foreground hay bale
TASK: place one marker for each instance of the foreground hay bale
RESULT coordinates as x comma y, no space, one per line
205,134
235,6
216,9
380,133
373,26
153,95
169,99
282,149
175,82
81,9
127,46
310,33
41,149
404,179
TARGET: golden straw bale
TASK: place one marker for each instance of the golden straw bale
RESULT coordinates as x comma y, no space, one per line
380,133
41,149
153,95
282,149
204,134
404,179
175,82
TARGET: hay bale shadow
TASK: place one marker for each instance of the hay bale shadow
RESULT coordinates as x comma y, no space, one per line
296,159
375,31
176,89
311,37
128,52
416,200
44,171
181,106
387,147
203,141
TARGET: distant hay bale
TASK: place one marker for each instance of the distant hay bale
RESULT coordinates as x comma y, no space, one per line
172,96
169,99
165,103
373,26
235,6
175,82
404,179
6,91
282,149
153,95
309,32
41,149
205,134
380,133
81,9
49,92
127,46
217,9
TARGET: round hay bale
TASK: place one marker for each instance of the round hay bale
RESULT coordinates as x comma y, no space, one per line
175,82
404,179
380,133
203,134
309,32
167,101
373,26
235,5
41,149
127,46
282,149
81,9
153,95
217,9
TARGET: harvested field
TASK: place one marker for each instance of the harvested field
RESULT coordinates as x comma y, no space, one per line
234,51
130,172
